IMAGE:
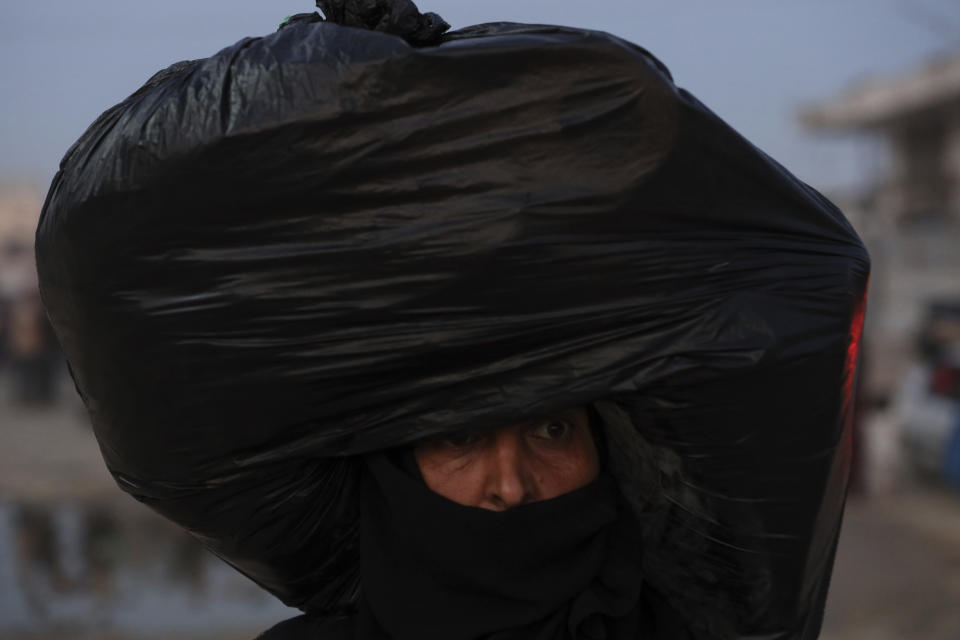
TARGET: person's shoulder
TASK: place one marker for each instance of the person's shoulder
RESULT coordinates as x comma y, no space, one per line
307,627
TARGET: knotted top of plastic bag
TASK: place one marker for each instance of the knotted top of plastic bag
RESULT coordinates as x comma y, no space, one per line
327,241
396,17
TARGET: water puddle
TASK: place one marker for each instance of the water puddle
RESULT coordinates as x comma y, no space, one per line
91,571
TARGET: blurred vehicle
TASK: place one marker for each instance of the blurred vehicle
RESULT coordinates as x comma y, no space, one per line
927,404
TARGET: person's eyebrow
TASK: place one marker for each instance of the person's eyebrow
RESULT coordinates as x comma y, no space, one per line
569,413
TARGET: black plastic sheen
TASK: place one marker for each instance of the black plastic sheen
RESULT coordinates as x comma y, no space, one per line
328,241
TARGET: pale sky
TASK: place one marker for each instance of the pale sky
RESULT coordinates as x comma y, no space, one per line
752,61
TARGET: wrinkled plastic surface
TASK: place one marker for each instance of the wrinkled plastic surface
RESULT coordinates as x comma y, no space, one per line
326,242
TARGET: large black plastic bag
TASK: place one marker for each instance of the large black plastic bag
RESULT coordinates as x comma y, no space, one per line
327,241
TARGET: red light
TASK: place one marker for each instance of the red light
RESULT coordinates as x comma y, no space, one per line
853,350
944,380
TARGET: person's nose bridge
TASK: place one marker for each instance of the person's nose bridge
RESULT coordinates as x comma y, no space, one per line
510,483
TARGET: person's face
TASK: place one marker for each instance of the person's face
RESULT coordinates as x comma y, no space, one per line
513,465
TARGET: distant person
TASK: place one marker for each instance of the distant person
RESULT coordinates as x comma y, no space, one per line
4,330
33,352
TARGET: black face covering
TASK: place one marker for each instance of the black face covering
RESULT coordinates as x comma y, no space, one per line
436,570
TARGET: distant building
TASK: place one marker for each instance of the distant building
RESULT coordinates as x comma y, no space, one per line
19,212
918,115
910,217
20,206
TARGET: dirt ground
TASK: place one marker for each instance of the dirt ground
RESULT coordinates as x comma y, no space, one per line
897,573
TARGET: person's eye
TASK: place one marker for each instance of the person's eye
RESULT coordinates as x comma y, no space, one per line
553,430
461,440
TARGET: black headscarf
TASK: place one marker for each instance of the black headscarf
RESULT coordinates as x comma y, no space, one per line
560,569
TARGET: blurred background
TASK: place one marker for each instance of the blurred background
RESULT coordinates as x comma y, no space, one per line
860,98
